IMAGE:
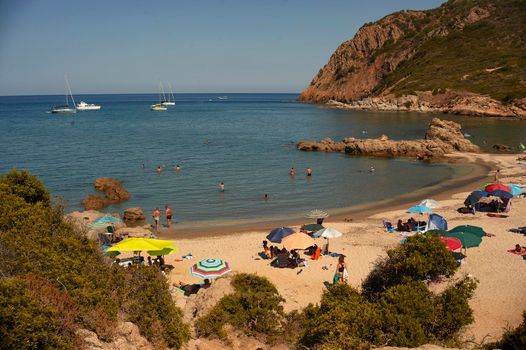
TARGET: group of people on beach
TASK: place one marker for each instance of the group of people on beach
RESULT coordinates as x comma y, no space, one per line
157,217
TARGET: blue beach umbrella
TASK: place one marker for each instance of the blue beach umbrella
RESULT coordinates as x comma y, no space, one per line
106,219
474,197
515,190
501,194
419,209
277,234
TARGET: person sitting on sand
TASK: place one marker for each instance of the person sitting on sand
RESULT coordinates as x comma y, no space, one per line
519,249
190,289
266,249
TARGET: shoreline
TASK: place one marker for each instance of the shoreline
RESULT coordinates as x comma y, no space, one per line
444,189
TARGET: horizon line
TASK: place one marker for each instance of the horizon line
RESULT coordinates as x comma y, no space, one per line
152,93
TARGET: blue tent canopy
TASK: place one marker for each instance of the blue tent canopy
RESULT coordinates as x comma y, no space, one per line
436,222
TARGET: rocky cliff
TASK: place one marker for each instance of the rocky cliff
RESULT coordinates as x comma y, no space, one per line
442,137
465,57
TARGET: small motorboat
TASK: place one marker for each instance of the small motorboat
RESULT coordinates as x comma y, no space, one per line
83,106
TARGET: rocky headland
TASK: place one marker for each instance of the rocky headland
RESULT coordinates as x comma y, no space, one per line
464,57
442,137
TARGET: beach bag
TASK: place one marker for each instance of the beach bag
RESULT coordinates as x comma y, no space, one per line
336,278
345,275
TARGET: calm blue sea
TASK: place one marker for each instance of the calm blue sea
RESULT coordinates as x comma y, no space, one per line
246,141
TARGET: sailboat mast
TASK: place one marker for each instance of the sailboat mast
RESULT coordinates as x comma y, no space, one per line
162,90
71,94
171,92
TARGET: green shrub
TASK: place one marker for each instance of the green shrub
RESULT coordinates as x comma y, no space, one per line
513,339
420,257
254,307
73,279
25,323
343,317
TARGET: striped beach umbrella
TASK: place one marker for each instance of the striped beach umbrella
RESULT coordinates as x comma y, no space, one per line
210,268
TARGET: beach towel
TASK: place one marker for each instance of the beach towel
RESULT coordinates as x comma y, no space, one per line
345,274
493,215
513,251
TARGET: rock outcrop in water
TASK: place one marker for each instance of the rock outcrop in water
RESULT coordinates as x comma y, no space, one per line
114,192
442,137
134,214
462,57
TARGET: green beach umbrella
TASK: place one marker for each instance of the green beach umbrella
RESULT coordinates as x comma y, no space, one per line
478,231
140,244
312,227
468,239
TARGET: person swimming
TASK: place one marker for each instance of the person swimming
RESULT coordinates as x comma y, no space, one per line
292,171
159,169
372,169
309,172
222,187
177,168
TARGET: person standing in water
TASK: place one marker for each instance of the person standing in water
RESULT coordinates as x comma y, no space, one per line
222,187
309,172
169,214
177,168
292,171
159,169
157,218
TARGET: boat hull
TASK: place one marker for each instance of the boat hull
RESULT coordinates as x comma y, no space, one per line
64,110
88,108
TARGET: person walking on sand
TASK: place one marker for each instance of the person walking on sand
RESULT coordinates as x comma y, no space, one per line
309,172
169,214
222,187
341,270
292,171
156,218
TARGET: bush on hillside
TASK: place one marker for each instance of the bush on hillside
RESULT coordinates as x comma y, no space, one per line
74,278
254,308
419,258
512,339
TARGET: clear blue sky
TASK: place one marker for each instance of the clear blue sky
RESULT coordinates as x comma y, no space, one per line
199,46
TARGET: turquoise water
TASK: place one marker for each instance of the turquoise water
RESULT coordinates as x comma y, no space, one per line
246,141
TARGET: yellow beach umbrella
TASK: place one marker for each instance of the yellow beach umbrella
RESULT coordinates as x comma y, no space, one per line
141,244
164,251
298,240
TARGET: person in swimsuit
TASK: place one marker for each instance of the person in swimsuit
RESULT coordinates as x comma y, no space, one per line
169,214
177,168
159,169
156,218
309,172
222,187
292,171
340,268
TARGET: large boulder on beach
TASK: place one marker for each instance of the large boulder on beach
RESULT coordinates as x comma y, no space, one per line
133,232
134,214
501,148
114,192
442,137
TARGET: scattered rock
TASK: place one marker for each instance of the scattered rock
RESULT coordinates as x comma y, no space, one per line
113,191
502,148
127,337
442,137
134,214
133,232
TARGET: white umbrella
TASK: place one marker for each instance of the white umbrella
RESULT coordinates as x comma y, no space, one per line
328,232
317,214
430,203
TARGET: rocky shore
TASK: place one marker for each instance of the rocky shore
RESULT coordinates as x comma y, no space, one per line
114,192
442,137
450,102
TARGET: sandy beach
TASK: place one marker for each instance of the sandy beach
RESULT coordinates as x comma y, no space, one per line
499,299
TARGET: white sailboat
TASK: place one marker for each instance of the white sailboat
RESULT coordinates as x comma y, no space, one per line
171,97
159,106
66,108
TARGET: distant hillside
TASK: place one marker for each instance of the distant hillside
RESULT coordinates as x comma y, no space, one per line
467,56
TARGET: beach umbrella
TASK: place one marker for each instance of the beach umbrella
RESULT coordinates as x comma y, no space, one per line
317,214
298,240
210,268
419,209
312,227
468,239
515,190
497,186
475,197
430,203
328,232
107,219
451,243
140,244
478,231
164,251
501,194
277,234
436,232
